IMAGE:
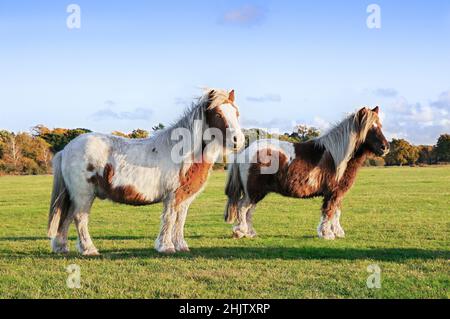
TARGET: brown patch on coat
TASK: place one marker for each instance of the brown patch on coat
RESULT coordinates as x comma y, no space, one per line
126,194
216,119
192,181
259,184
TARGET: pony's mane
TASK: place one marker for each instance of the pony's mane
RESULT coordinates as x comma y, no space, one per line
343,139
210,99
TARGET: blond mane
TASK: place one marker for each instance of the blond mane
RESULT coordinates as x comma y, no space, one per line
343,139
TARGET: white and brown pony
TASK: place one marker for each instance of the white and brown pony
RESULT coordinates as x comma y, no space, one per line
326,166
143,172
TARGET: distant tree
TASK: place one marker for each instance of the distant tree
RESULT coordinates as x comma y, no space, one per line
36,155
118,133
58,138
254,134
305,133
426,154
443,148
5,137
138,133
158,127
402,153
24,154
375,161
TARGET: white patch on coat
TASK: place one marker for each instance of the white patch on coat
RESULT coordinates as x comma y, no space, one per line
229,111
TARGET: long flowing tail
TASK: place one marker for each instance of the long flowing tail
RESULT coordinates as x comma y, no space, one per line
234,190
60,200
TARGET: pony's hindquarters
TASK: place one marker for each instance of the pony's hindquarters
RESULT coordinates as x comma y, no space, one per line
234,190
60,199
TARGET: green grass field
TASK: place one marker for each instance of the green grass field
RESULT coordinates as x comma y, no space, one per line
397,218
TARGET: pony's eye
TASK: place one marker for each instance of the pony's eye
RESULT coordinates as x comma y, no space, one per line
219,115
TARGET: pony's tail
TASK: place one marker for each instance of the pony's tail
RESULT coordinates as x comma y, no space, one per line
60,200
234,190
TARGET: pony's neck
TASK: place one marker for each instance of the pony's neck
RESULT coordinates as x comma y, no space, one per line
211,152
356,162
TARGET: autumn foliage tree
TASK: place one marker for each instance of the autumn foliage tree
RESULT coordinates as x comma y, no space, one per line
58,138
402,153
138,133
23,154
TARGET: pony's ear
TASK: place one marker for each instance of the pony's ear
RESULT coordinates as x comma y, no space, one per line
376,109
231,96
361,115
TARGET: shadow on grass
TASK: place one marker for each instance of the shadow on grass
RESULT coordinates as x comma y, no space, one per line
37,238
287,253
251,253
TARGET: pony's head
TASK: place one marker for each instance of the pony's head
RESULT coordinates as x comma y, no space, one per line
222,115
375,142
362,128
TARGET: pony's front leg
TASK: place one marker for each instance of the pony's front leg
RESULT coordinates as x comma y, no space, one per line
163,243
336,225
178,231
329,208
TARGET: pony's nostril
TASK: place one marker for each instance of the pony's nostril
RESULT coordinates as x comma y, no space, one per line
235,139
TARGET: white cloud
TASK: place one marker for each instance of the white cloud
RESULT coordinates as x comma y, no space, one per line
265,98
386,92
420,123
137,114
247,15
321,123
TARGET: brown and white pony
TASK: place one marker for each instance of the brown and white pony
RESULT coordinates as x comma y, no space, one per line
326,166
162,168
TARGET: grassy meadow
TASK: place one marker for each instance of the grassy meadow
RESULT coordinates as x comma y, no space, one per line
396,218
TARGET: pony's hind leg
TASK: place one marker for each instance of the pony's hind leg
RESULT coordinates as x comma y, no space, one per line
59,244
81,216
251,233
241,230
336,225
163,243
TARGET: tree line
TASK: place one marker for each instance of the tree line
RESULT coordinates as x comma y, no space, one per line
31,153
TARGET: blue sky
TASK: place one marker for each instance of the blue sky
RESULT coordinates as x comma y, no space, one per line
136,63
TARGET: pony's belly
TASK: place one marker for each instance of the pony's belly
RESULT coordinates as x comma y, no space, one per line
139,186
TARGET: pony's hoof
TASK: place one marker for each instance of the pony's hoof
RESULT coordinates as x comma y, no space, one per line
238,235
327,236
167,251
58,247
339,233
93,252
61,251
182,247
251,234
